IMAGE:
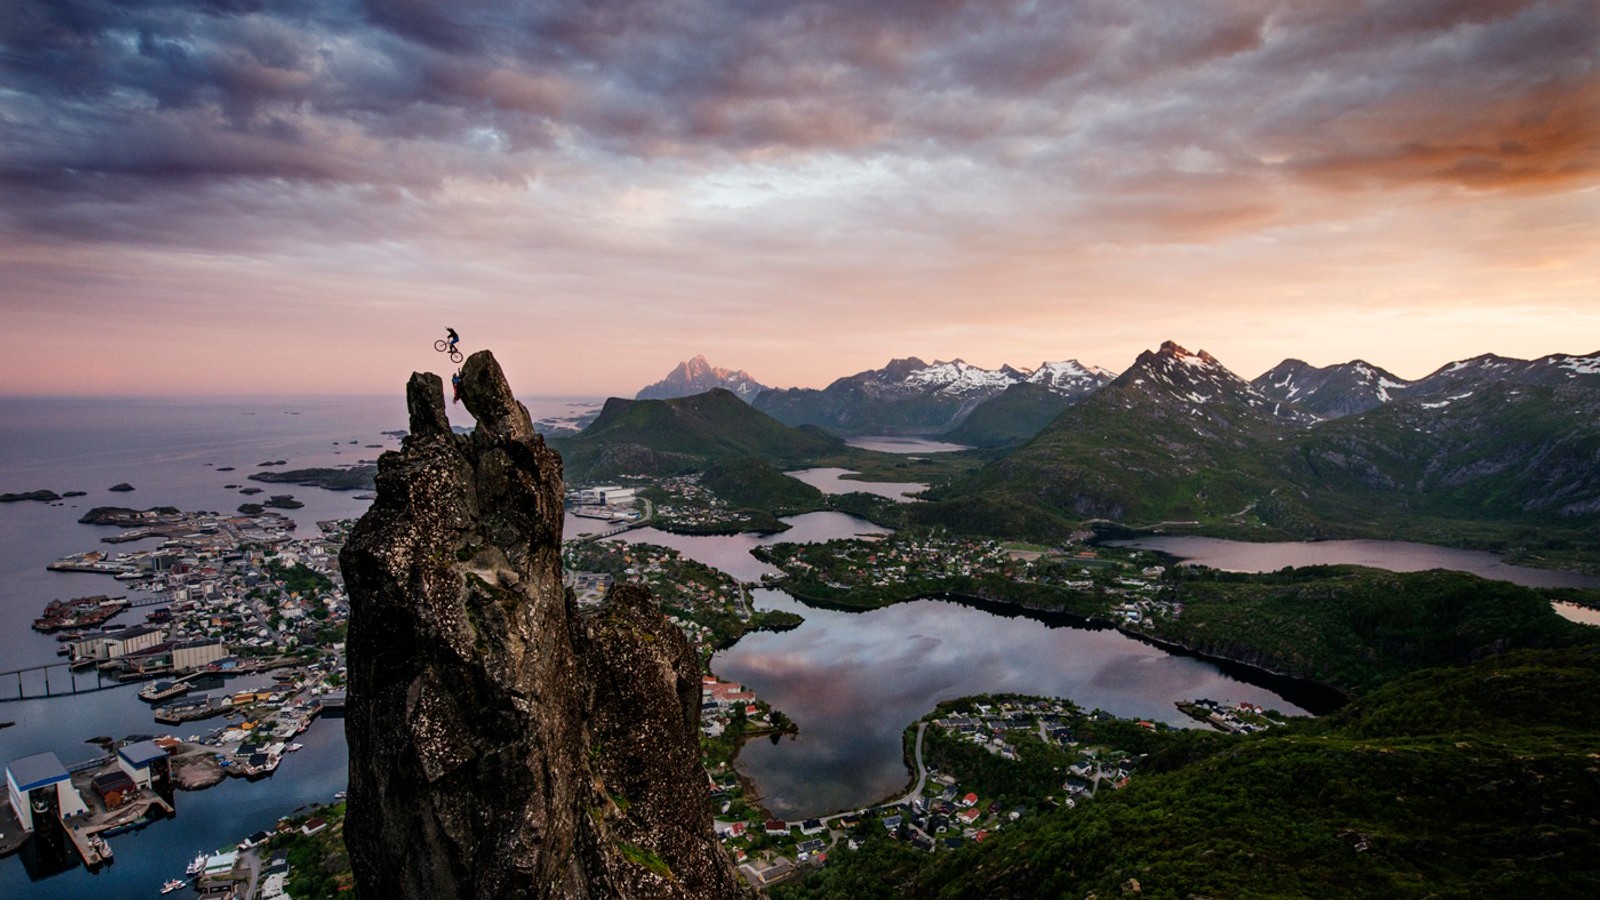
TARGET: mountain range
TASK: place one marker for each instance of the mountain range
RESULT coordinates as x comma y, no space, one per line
1489,444
1180,438
912,397
968,404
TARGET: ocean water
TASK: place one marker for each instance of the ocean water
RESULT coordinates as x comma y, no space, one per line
169,450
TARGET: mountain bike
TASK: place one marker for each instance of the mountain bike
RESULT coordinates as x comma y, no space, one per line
443,346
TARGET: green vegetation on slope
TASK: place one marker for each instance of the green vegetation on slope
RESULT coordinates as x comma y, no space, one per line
749,483
1506,467
1470,782
684,435
1010,417
1356,628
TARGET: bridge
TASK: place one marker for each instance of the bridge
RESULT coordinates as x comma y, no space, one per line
37,682
643,521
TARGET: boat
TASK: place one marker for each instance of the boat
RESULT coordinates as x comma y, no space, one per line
173,885
293,747
198,866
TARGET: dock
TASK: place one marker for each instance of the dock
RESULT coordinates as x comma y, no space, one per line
85,835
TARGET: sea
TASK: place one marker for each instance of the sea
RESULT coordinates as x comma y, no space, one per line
172,451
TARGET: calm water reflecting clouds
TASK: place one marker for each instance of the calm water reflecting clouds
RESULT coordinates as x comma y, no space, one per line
1395,556
853,681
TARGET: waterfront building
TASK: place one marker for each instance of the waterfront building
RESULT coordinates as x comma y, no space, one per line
39,788
116,644
188,656
145,763
607,495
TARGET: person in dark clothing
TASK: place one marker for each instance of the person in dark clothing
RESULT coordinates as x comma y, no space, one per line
453,338
455,383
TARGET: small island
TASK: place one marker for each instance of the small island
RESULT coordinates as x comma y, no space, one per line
41,495
343,479
120,487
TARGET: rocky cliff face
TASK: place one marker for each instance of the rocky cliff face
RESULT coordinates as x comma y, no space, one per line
502,744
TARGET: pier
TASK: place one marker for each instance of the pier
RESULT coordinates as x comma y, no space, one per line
85,835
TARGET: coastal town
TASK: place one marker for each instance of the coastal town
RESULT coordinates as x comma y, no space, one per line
242,596
244,622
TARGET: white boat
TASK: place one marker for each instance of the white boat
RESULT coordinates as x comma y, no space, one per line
198,866
293,747
173,885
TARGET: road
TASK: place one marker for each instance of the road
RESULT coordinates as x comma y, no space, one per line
922,770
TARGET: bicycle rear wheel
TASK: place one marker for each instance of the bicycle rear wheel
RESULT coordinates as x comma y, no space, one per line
455,356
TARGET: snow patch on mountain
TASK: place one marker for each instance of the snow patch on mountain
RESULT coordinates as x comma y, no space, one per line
959,378
1070,377
1582,365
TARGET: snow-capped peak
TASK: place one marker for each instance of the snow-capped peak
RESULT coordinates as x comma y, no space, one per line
1070,377
957,377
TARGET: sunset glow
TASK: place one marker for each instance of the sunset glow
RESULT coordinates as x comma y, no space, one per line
294,196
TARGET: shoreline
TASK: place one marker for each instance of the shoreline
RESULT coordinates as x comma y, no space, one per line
1324,699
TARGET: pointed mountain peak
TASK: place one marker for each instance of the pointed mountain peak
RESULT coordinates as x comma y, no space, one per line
698,375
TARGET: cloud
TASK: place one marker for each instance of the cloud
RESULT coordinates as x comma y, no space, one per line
768,160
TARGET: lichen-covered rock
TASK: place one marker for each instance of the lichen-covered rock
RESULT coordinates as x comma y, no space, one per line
501,743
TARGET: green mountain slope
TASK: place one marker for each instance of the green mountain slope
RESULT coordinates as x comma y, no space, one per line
1176,437
1470,782
750,483
1010,417
685,434
1356,628
1172,441
1501,451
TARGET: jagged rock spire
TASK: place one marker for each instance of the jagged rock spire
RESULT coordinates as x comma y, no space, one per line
501,743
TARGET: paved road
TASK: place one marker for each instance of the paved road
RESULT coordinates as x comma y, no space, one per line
250,861
922,771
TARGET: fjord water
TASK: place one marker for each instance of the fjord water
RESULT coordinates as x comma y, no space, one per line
853,681
1395,556
162,448
833,481
890,443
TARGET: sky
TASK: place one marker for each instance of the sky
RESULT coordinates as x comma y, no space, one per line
298,196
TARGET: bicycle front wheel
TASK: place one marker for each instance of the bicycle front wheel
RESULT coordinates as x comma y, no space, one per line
441,345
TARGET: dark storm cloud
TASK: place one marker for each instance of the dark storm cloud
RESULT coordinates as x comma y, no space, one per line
1090,102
